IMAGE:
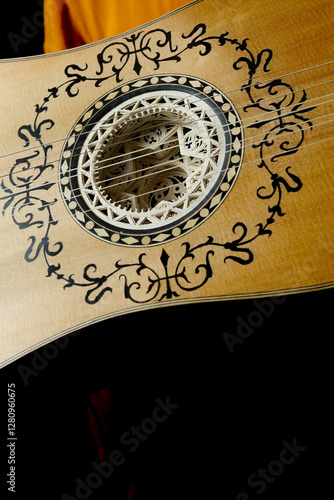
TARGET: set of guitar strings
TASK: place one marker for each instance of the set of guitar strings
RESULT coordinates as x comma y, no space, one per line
263,117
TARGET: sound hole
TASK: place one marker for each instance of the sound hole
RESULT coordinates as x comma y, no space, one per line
154,163
151,160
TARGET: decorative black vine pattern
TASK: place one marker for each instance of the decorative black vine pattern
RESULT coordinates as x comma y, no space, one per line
23,196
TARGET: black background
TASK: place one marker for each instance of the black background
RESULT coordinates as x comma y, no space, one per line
235,409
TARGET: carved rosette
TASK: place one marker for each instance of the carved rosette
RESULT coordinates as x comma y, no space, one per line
151,160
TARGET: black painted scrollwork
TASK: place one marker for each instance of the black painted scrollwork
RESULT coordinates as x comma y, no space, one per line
23,197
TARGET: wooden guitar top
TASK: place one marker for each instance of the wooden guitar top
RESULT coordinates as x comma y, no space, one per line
188,160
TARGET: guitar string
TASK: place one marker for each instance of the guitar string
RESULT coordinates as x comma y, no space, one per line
243,143
257,84
152,127
264,114
164,188
134,213
152,152
135,173
199,120
173,168
252,118
180,183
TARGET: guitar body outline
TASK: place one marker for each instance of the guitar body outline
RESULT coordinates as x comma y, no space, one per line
261,238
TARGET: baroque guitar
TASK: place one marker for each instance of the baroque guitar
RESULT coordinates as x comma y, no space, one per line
188,160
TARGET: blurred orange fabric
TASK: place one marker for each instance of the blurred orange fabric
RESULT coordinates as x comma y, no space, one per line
70,23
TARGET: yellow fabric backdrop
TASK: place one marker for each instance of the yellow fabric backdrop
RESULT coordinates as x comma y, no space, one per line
70,23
